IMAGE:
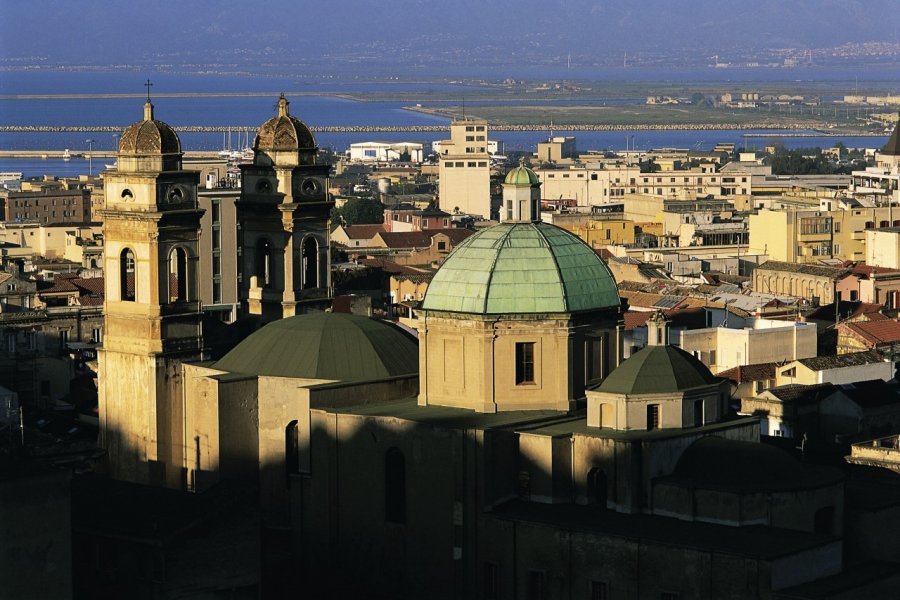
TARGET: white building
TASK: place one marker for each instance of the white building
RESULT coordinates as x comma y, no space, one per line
386,152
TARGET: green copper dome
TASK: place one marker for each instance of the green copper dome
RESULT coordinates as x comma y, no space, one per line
657,370
334,346
516,268
521,175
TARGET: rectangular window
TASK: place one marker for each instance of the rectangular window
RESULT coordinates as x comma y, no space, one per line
96,335
11,343
470,138
470,128
599,590
216,211
652,417
63,339
482,164
524,362
698,413
535,585
472,164
491,581
593,355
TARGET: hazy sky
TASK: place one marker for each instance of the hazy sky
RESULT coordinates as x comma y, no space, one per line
115,31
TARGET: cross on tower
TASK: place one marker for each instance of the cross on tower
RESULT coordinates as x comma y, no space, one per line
148,85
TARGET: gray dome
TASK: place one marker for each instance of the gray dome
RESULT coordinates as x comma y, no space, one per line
333,346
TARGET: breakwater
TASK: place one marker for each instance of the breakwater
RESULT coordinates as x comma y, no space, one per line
439,127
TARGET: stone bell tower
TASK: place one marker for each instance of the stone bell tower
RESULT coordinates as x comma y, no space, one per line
283,218
152,322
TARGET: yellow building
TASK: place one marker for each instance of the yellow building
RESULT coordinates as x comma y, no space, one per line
465,176
598,234
151,229
791,236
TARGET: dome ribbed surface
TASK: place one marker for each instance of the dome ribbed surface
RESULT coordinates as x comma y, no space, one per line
521,175
149,137
516,268
657,370
284,132
334,346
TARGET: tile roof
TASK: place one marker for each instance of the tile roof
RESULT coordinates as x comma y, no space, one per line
742,373
388,266
873,332
839,361
802,393
362,232
833,273
422,239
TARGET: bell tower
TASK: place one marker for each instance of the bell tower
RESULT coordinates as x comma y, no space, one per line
283,215
152,312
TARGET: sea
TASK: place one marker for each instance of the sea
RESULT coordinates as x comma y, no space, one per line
320,105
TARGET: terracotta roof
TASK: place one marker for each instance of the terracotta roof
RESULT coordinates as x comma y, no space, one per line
886,331
874,332
636,318
421,239
388,266
760,372
861,268
362,232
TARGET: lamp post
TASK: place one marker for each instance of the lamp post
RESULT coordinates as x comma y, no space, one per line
90,144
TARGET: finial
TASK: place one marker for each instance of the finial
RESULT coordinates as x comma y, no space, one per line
521,161
148,107
282,106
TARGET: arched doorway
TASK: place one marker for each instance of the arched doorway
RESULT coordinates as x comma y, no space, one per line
597,487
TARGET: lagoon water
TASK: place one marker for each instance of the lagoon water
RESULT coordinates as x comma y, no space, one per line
315,110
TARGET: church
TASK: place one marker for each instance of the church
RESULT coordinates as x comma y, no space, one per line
507,451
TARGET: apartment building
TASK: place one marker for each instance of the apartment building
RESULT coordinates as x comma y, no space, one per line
590,184
464,169
811,235
47,207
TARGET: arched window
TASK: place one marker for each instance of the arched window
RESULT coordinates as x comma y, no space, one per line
597,487
394,486
264,262
310,263
178,275
292,448
127,283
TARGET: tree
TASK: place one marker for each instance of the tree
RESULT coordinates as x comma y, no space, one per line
358,211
